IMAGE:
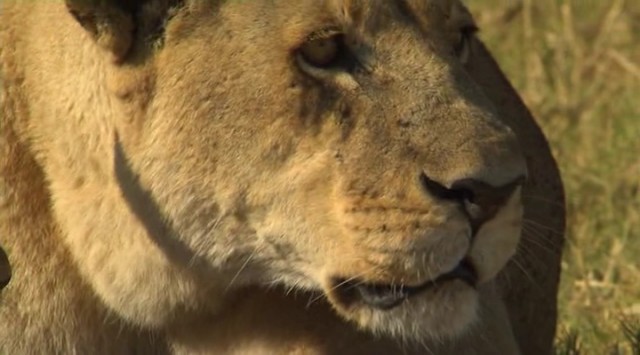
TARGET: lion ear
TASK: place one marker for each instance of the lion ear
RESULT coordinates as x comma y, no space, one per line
110,22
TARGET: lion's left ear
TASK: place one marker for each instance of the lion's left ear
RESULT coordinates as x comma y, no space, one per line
115,24
110,22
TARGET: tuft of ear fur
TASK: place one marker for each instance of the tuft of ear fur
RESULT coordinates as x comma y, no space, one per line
110,23
116,24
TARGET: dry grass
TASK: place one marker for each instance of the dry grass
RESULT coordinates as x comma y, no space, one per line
577,65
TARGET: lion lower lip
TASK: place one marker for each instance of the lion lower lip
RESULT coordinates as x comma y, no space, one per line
387,296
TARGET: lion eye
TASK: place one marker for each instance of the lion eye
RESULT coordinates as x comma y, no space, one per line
327,50
463,46
321,52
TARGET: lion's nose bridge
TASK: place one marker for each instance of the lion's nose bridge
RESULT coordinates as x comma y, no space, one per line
463,138
495,163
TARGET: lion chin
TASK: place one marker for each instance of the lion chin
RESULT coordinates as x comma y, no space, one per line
444,311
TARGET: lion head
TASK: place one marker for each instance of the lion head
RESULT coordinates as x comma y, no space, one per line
337,147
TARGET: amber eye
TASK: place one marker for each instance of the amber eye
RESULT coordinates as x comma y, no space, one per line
463,46
321,51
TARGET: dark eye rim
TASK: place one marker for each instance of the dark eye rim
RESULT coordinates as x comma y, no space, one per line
344,59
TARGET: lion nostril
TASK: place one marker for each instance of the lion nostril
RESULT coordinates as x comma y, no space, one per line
438,190
480,200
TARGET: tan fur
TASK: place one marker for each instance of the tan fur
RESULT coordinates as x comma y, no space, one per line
175,180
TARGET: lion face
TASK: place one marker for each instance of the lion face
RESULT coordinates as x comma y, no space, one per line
337,147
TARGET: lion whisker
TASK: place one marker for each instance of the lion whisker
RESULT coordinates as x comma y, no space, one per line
537,238
524,271
542,226
550,202
244,266
344,282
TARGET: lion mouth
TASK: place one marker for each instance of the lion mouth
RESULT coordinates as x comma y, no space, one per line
388,296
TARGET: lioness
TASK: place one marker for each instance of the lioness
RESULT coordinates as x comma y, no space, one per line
312,177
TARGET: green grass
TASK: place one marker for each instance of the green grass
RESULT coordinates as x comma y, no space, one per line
577,65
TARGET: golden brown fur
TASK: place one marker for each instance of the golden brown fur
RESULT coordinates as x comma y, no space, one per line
176,178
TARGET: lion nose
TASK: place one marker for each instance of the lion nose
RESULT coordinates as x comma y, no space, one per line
481,201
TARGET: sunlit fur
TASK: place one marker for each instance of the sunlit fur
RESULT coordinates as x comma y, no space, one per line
152,178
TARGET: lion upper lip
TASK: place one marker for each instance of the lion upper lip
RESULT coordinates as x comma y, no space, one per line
387,296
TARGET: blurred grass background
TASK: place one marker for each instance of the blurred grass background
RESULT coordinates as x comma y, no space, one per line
577,65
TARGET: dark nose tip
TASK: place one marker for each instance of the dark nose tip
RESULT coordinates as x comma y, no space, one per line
480,200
